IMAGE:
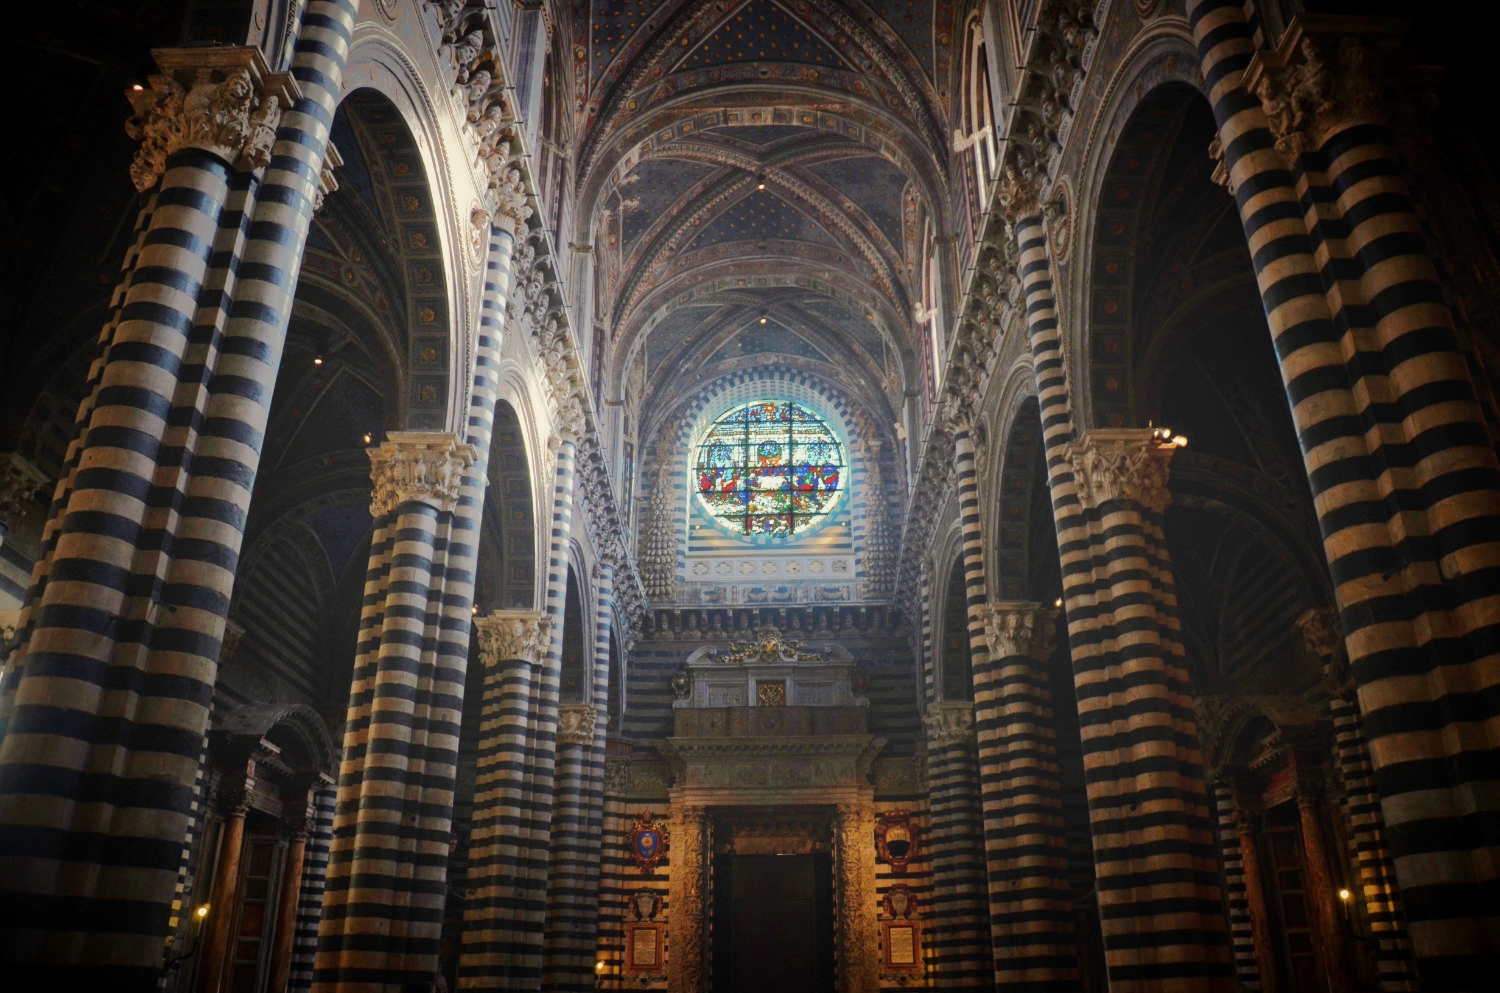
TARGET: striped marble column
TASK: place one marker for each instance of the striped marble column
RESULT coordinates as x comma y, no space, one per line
512,644
958,936
1405,482
310,901
578,815
387,868
126,609
1380,901
1156,864
1241,928
1020,790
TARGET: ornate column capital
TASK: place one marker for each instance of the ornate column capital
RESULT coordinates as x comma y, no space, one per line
20,482
577,723
1325,75
226,101
1323,636
513,636
570,422
1124,464
422,466
949,722
327,180
1014,627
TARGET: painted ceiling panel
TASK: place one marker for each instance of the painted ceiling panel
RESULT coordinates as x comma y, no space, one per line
872,183
851,323
671,331
912,20
762,134
769,338
355,172
759,216
346,410
615,21
340,530
762,31
659,184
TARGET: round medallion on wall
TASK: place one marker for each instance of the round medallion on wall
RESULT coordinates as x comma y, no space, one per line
1059,213
896,838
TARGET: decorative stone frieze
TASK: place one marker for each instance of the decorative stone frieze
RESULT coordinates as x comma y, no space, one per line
1323,77
20,484
223,100
577,723
1122,464
1016,628
949,722
513,636
421,466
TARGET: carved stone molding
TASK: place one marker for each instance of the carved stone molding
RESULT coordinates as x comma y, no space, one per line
1122,464
513,636
422,466
223,100
327,178
1017,628
20,483
1324,76
949,723
577,723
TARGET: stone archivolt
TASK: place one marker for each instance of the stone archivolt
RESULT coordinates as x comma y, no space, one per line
223,100
422,466
513,636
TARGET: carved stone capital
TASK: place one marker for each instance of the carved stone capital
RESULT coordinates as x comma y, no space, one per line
949,723
232,799
233,635
20,482
422,466
1122,464
508,193
223,100
570,422
1324,76
1019,193
1017,628
1320,631
577,723
513,636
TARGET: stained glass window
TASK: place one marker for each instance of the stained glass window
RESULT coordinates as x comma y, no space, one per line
769,469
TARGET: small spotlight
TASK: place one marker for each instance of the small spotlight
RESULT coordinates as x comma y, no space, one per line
760,181
136,88
317,360
1180,440
474,610
764,318
367,437
1057,602
202,910
598,966
1344,895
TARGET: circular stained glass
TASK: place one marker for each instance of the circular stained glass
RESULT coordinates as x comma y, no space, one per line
769,469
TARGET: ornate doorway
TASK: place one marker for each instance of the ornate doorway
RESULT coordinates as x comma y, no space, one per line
773,923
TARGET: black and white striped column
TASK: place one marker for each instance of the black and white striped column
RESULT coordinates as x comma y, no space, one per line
1020,789
578,815
387,868
958,935
310,902
497,912
1404,478
107,700
1156,864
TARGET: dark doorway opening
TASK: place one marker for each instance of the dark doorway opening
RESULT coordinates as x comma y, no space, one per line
773,924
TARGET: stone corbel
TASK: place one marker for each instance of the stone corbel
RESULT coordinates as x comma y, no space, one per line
225,101
421,466
513,636
20,483
577,723
1123,464
1015,628
327,180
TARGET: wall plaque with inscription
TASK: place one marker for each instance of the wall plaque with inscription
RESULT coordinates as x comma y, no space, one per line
643,948
902,943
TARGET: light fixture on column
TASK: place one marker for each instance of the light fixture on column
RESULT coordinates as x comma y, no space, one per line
317,359
764,318
1057,602
367,437
760,181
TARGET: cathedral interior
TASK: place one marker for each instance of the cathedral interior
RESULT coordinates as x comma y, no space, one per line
750,495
